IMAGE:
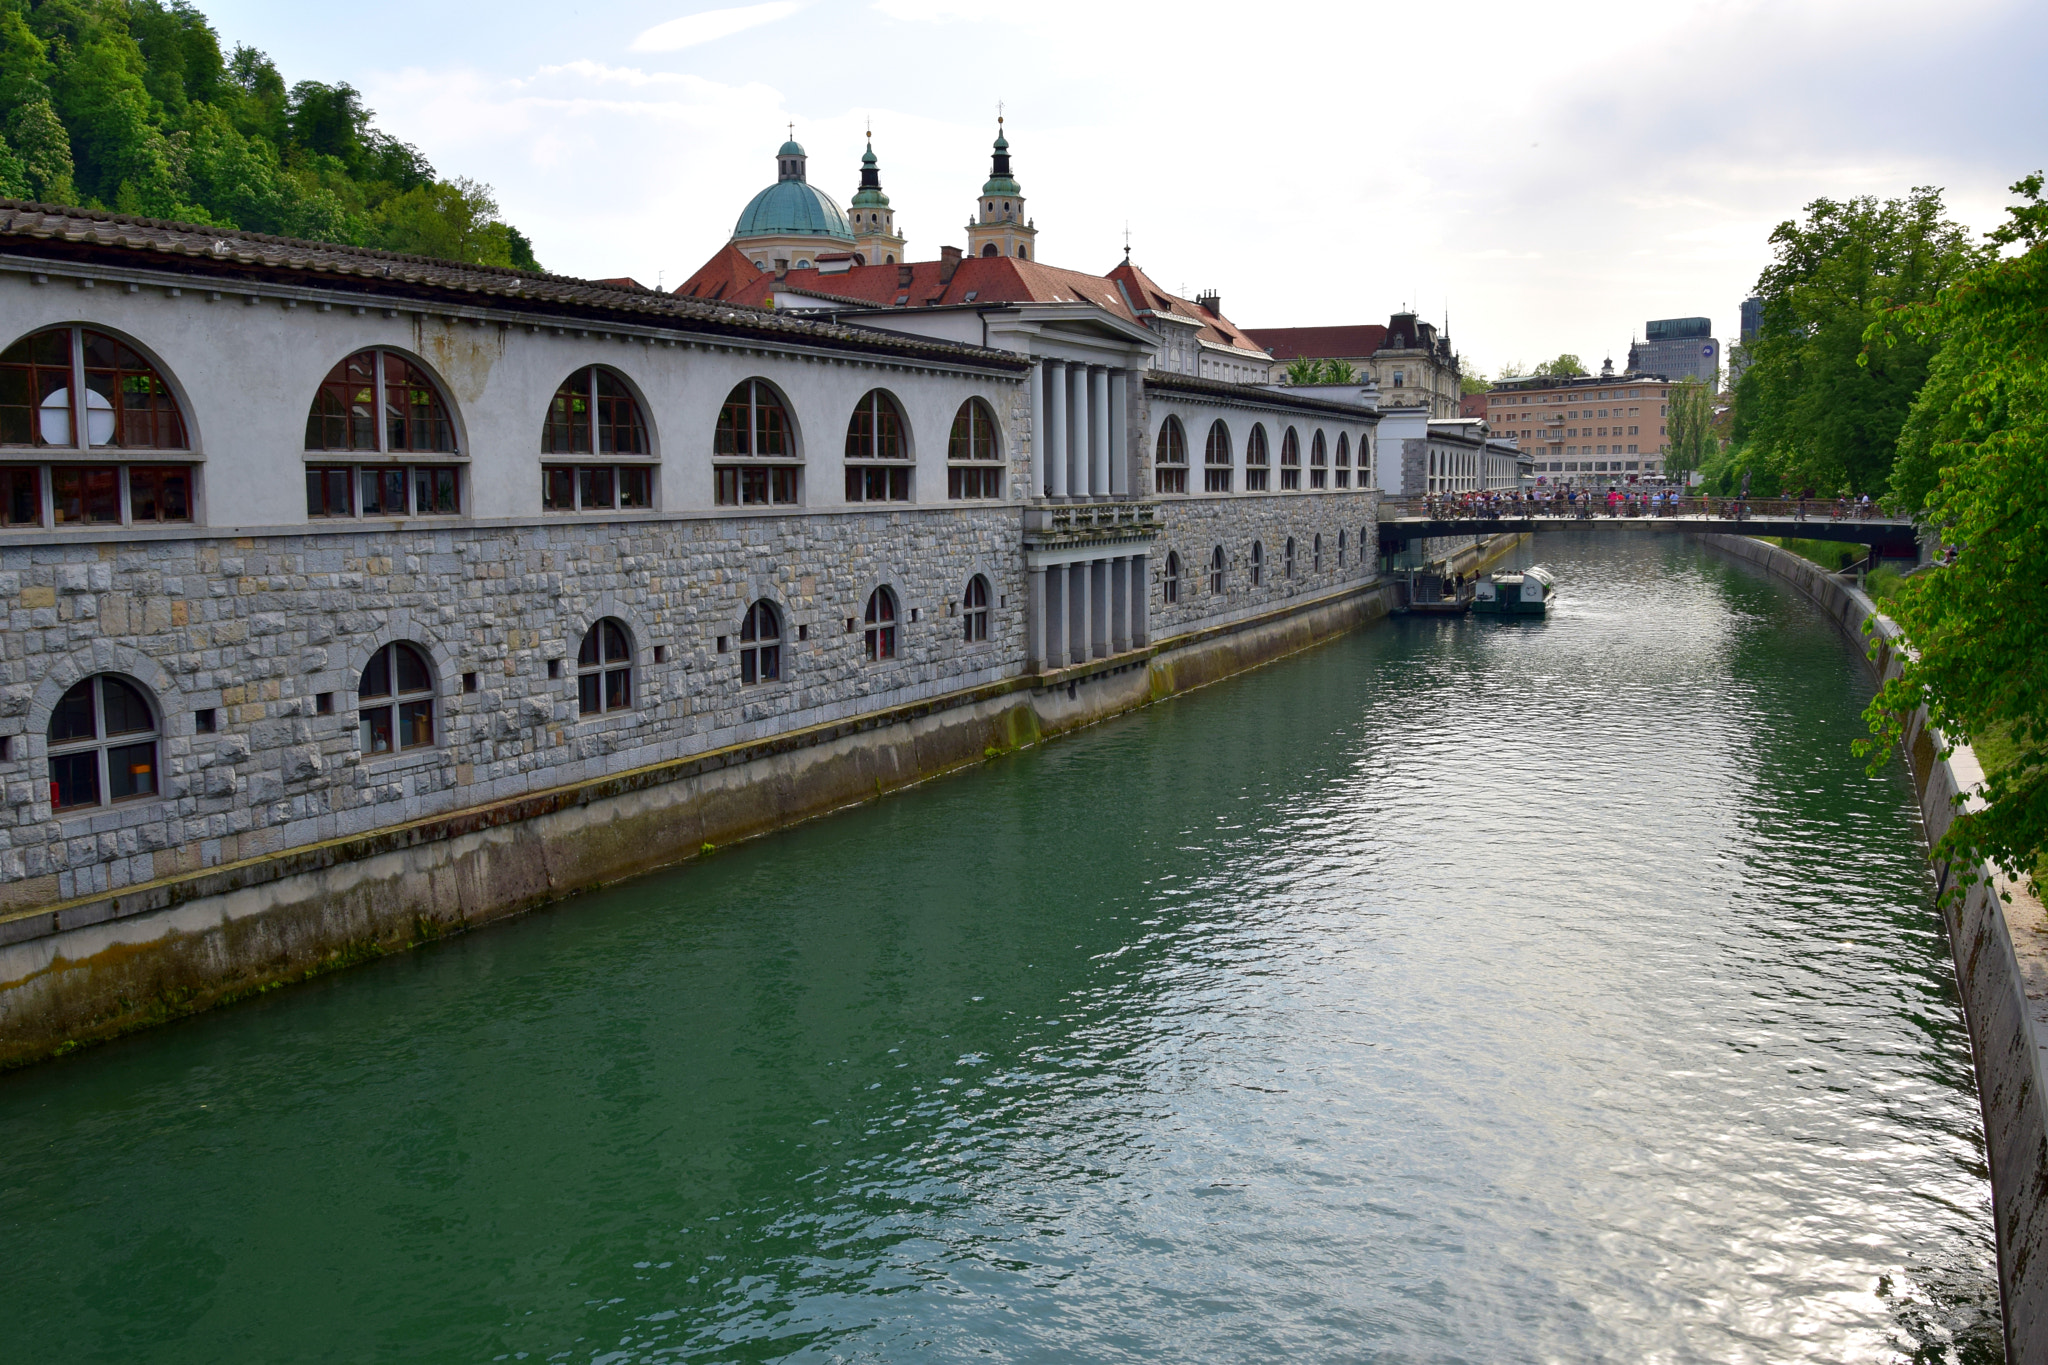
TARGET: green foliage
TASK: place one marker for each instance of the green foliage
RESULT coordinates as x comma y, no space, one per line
1307,371
1832,555
1817,407
1689,427
1514,369
1564,367
129,104
1473,382
1979,627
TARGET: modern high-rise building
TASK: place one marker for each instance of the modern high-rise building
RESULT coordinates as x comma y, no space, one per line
1752,323
1678,348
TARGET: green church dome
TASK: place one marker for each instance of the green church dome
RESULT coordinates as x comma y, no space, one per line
793,208
790,148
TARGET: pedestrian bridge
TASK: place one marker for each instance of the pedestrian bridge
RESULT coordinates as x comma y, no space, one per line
1889,537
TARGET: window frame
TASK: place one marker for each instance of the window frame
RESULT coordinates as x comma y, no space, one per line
1170,458
1319,461
102,746
1258,563
395,703
1258,460
1290,461
594,422
883,618
737,474
974,610
1287,561
974,477
760,660
77,372
1218,564
874,476
598,679
355,470
1217,473
1169,579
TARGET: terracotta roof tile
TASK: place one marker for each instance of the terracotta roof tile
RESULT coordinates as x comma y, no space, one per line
1320,343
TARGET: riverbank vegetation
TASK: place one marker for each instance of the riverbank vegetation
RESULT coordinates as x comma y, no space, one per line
1973,452
130,105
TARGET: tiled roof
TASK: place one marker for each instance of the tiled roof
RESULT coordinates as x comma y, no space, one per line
249,260
1214,327
1255,393
723,277
1320,343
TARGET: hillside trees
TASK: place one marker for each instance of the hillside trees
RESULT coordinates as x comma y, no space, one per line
1975,451
1812,408
131,105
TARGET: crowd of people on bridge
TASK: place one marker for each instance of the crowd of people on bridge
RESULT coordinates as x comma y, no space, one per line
1585,503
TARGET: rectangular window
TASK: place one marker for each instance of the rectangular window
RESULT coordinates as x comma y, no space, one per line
971,481
159,493
1290,477
22,490
1256,480
383,492
636,486
558,488
756,485
328,493
1318,477
1171,478
877,483
1343,477
1216,479
436,490
86,495
594,487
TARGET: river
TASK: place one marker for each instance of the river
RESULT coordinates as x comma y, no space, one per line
1457,991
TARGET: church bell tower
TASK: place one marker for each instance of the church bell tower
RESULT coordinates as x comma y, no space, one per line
874,222
999,227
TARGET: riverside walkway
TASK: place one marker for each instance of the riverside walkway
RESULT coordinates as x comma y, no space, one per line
1405,520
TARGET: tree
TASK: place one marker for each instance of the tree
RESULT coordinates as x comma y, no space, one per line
1309,371
1474,381
1978,628
1564,367
1689,428
1514,369
1811,403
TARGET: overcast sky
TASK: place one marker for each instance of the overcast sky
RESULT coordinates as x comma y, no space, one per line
1550,175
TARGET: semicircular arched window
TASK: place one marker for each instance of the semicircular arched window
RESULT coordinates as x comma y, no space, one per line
1290,461
594,414
1169,582
102,744
396,700
1344,459
753,450
879,637
1258,459
604,668
378,403
973,461
1216,459
974,610
761,644
1319,462
877,451
1216,571
124,405
1170,458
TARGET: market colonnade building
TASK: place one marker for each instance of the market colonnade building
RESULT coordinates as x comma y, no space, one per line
354,539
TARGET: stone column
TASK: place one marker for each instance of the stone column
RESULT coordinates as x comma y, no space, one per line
1055,616
1034,624
1077,430
1038,465
1120,604
1056,427
1098,429
1119,434
1098,609
1083,591
1141,601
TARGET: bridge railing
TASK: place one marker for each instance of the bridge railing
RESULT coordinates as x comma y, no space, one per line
1597,507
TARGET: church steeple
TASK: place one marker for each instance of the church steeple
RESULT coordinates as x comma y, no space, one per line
874,223
999,226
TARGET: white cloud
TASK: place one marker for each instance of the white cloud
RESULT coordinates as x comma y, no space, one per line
710,25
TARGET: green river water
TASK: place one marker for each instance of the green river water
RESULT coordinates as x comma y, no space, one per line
1457,991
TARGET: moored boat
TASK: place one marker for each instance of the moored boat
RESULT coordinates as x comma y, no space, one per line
1526,593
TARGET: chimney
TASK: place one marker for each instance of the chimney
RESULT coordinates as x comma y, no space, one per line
949,261
781,267
1210,300
904,274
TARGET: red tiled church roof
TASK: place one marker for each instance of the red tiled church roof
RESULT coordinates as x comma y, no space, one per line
1320,343
1215,328
722,277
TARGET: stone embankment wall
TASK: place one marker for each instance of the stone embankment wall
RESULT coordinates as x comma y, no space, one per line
97,967
2001,955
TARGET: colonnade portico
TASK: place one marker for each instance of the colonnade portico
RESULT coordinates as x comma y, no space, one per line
1077,411
1084,608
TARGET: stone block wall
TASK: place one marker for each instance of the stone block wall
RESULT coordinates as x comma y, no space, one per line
1193,527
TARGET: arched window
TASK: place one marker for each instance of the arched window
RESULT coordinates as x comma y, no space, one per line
761,644
1340,549
1319,463
1258,563
1169,585
1216,459
1216,571
1257,461
1344,459
123,405
1287,562
395,699
604,669
754,434
880,638
877,451
1022,254
102,749
990,250
973,464
1170,458
1290,460
377,402
1318,562
974,609
593,413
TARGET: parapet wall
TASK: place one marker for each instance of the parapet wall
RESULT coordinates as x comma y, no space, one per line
95,968
2001,955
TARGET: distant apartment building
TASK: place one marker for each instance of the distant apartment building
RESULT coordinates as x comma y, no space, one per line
1412,363
1678,348
1594,429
